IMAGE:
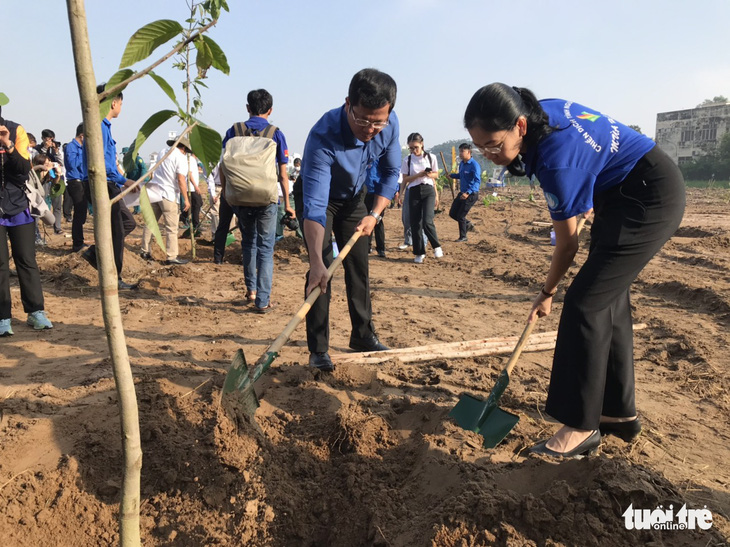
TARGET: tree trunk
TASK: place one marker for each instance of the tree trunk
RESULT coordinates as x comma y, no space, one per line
129,509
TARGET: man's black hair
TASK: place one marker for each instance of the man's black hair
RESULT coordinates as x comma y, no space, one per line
31,137
465,146
48,133
259,101
80,129
101,87
372,89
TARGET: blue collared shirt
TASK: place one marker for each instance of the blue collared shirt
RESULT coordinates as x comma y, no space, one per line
110,154
469,175
335,163
74,160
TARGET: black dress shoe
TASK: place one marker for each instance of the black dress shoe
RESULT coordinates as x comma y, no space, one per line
170,261
462,239
217,261
626,431
90,256
382,254
122,286
367,344
321,361
145,255
589,446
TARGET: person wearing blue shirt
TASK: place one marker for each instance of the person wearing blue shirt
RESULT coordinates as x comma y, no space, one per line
77,186
379,231
329,196
258,224
585,160
470,179
122,221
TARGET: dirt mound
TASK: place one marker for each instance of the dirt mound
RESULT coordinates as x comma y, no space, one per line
366,455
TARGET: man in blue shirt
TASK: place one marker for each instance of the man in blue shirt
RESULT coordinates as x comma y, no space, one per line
77,186
258,223
470,179
379,231
340,148
123,222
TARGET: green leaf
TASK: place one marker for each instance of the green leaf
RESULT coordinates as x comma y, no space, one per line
218,58
4,99
147,39
206,144
148,127
205,56
150,219
167,88
115,80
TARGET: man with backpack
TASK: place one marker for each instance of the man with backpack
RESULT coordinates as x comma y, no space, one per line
254,165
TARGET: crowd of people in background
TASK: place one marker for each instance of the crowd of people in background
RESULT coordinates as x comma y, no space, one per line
350,171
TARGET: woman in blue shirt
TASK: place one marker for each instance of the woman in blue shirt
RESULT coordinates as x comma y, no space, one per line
585,160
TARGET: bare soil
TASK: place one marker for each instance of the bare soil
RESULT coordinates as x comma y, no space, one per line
367,455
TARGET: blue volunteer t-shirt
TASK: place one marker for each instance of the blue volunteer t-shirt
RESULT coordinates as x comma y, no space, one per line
588,154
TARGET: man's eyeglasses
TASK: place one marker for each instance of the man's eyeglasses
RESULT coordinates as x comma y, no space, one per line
367,123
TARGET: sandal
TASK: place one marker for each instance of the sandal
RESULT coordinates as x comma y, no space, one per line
250,296
266,309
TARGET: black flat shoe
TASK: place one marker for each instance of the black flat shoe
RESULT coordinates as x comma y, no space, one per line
368,344
587,447
321,361
626,431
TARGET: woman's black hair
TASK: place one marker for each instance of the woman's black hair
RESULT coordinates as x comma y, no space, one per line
497,107
415,137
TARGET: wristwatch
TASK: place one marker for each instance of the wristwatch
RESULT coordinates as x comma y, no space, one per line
376,216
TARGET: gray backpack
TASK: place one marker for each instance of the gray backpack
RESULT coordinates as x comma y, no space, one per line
249,165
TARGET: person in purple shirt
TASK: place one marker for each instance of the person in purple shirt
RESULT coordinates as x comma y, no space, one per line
18,225
470,179
329,196
123,222
77,186
586,160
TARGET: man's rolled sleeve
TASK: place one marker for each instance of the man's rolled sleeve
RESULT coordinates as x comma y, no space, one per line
390,163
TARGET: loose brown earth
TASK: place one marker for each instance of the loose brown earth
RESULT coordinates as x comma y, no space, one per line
368,455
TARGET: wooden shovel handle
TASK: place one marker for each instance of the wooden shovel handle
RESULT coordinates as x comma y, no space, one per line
277,344
518,348
448,172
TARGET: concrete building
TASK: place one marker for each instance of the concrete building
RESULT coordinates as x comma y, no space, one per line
687,134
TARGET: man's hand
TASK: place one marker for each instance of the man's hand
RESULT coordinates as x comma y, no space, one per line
463,195
366,225
130,183
317,276
291,211
187,205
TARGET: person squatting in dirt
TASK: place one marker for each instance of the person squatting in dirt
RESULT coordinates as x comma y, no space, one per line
470,179
17,224
585,160
329,196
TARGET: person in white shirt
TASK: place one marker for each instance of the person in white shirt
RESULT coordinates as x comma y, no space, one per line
214,181
420,170
168,182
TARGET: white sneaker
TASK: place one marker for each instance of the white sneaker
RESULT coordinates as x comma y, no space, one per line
403,246
438,252
419,259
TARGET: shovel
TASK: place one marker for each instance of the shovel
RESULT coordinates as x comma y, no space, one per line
485,417
238,392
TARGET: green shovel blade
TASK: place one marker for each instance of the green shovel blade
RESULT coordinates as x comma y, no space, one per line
230,238
238,388
485,417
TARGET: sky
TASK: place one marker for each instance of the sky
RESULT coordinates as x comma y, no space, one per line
628,59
